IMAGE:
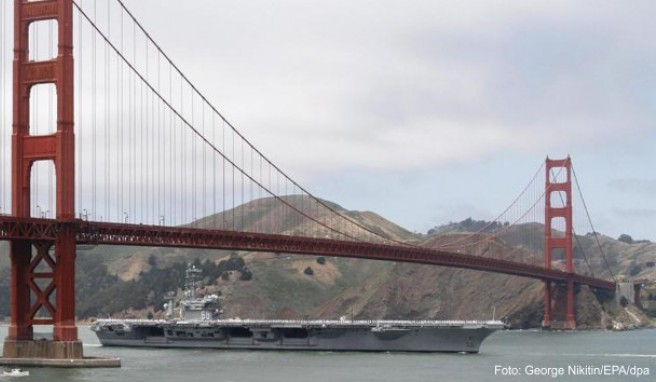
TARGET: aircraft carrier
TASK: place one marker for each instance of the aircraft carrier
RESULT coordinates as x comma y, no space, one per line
199,325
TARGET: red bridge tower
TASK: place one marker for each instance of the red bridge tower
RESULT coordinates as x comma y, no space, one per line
43,281
561,194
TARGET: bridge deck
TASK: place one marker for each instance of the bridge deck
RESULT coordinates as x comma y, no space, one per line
160,236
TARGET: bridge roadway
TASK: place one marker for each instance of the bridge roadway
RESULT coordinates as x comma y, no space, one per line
177,237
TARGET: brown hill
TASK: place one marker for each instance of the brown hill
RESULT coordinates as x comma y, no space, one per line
281,285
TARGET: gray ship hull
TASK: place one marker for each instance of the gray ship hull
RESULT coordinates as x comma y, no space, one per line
402,336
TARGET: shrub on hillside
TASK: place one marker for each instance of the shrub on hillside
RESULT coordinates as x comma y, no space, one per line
624,238
245,274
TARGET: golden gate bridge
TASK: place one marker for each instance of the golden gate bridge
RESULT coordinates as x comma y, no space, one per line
119,147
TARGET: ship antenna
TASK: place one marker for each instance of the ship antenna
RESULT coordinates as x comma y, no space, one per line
192,276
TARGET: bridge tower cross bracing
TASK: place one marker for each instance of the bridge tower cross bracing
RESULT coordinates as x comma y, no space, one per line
561,193
43,272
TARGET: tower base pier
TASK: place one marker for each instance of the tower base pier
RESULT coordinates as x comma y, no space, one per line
48,353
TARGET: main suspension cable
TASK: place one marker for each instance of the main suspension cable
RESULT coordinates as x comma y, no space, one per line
199,135
250,145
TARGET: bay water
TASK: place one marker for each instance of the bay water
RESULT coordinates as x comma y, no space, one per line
505,356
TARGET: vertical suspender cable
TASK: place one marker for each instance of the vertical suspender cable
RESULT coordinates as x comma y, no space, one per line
172,157
158,154
4,126
194,188
153,146
80,107
539,236
142,157
107,96
214,160
272,206
152,141
35,127
252,185
204,174
233,182
119,127
136,132
260,191
133,132
94,122
131,141
167,159
157,137
3,117
242,202
143,145
223,173
51,121
145,164
285,209
182,157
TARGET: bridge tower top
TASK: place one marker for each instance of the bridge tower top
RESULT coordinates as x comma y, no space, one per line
558,205
60,146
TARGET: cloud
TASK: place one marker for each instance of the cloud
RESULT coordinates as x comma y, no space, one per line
636,213
387,85
634,185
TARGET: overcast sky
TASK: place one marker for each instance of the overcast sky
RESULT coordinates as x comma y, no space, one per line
433,111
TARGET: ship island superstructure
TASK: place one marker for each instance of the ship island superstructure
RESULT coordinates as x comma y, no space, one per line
199,325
